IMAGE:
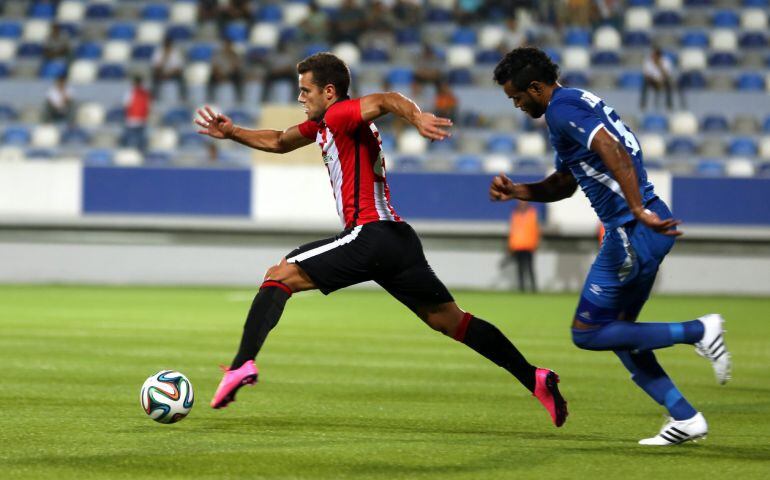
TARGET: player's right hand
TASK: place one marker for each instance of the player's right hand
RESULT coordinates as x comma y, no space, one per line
433,127
501,188
216,125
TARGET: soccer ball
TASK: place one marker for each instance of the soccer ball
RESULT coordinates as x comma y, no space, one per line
167,396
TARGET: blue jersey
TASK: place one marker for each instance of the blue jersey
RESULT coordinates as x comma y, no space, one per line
574,116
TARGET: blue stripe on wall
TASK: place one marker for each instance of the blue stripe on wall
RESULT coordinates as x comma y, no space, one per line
727,201
167,191
449,196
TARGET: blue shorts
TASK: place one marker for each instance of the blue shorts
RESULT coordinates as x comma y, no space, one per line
621,277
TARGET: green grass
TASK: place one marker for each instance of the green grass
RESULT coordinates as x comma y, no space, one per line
353,387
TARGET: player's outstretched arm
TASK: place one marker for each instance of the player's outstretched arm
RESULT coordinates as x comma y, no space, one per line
430,126
220,126
619,163
555,187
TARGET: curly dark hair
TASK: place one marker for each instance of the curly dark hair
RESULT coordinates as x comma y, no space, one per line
327,69
525,65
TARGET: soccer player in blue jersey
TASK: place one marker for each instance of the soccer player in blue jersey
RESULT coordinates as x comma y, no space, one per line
596,151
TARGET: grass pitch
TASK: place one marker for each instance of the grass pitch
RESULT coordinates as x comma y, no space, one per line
352,386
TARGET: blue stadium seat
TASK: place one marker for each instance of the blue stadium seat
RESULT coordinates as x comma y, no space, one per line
400,76
269,13
763,169
179,33
388,143
237,32
714,123
722,60
743,147
240,117
5,70
694,38
16,135
289,34
156,12
115,115
101,157
112,71
191,140
575,79
653,165
463,36
99,11
121,31
681,146
409,163
142,52
446,145
375,55
70,29
710,168
488,57
257,54
10,29
636,39
157,159
53,69
750,81
631,80
577,37
39,154
314,48
469,164
531,166
29,50
654,122
693,80
407,36
501,143
75,136
553,54
605,58
88,51
756,3
725,19
667,18
8,113
766,125
45,11
753,40
176,117
641,3
698,3
201,52
439,15
460,76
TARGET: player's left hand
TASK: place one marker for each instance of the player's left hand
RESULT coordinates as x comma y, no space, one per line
433,127
665,227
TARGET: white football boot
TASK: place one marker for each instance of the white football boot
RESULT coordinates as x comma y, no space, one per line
675,432
712,346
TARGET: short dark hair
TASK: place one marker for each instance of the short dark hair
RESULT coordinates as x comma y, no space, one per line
525,65
327,69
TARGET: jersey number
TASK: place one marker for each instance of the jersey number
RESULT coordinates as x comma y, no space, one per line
628,137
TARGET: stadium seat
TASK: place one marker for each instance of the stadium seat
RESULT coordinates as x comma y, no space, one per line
388,143
111,71
45,11
39,154
553,54
7,49
488,57
694,39
460,76
633,39
36,30
82,72
577,37
407,36
714,123
494,164
529,166
29,50
11,153
669,4
10,29
739,167
164,138
745,124
576,58
722,60
348,53
45,136
692,80
725,19
180,33
764,147
743,147
641,3
501,143
156,12
763,170
17,135
197,73
652,145
469,164
295,13
201,52
756,3
192,140
264,35
410,142
121,31
70,11
150,32
74,136
681,146
607,38
375,55
754,19
446,145
667,18
575,79
750,81
654,122
409,163
8,113
710,168
117,51
99,11
116,115
88,51
237,32
490,36
98,158
5,70
531,144
90,115
755,40
723,40
157,158
605,58
53,69
269,13
183,12
142,52
684,123
631,80
463,36
128,157
400,76
637,18
460,56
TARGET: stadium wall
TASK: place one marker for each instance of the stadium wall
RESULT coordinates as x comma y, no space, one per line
67,223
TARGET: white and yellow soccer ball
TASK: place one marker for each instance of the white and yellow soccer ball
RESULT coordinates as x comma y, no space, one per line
167,396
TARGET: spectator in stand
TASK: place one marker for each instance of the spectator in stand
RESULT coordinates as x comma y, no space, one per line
380,25
348,23
468,11
408,12
315,27
57,47
167,63
523,240
580,13
137,110
208,10
428,68
446,101
59,104
279,66
658,72
226,66
513,37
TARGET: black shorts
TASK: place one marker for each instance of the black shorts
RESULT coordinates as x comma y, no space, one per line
390,253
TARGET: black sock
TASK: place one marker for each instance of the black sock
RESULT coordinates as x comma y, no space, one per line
265,311
489,341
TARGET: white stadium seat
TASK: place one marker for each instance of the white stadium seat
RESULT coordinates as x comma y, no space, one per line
117,51
7,49
36,30
460,56
497,163
723,40
683,123
184,12
445,4
739,167
264,34
45,136
11,154
668,4
575,58
411,142
197,73
638,18
82,72
150,32
295,13
764,147
607,38
754,19
652,145
90,115
692,59
128,157
530,145
164,138
70,11
329,3
491,36
348,53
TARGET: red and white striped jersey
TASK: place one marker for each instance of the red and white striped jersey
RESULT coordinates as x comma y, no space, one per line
352,152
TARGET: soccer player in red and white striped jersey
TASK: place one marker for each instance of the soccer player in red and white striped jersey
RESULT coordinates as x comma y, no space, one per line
375,243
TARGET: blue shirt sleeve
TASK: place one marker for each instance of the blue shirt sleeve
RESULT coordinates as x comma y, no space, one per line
575,119
559,163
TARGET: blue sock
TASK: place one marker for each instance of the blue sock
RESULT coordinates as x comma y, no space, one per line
622,335
650,376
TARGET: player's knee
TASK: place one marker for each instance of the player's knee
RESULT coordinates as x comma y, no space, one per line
582,338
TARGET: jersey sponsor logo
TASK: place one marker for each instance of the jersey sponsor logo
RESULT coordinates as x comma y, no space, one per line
595,289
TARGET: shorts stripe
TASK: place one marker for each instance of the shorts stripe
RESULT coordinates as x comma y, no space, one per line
329,246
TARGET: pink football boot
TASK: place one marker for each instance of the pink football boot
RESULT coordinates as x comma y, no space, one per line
232,381
547,391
